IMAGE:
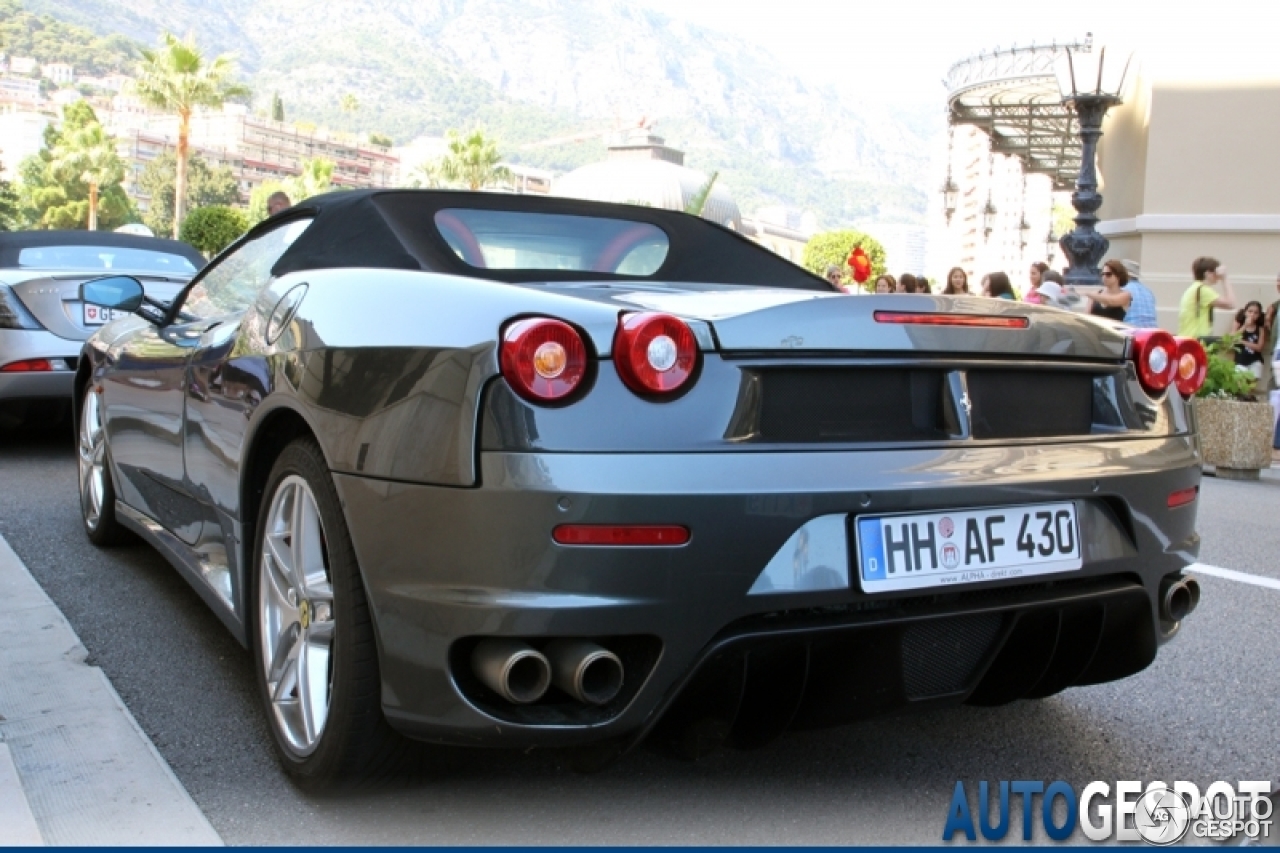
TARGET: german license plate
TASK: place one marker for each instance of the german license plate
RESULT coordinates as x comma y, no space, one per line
915,551
96,315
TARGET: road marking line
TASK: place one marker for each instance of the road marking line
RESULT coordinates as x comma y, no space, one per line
1233,575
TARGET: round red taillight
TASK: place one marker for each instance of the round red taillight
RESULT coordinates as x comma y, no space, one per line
1191,368
654,353
1155,354
543,360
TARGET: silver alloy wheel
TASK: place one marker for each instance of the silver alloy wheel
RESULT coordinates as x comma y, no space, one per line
295,615
93,458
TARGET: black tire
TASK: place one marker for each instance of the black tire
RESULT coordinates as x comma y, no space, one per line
102,527
356,745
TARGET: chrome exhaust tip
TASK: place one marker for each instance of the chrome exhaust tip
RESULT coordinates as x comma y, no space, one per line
514,670
587,672
1192,583
1175,599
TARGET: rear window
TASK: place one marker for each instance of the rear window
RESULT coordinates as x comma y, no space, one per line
103,258
510,240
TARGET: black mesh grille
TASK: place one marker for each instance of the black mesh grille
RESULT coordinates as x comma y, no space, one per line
1030,404
939,656
852,405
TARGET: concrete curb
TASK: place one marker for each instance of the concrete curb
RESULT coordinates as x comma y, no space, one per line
86,773
17,823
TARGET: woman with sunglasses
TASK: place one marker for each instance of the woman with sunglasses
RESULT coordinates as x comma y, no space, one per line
1111,300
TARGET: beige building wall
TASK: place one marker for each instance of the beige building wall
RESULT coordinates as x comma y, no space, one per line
1194,169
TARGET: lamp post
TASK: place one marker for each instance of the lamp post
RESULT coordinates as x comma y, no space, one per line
949,193
1091,83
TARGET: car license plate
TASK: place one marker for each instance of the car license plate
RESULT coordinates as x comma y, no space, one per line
96,315
915,551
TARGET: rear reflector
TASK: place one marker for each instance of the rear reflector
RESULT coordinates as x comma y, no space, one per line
1182,497
621,534
31,365
914,318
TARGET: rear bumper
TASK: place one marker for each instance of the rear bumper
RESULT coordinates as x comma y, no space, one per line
37,386
20,345
444,566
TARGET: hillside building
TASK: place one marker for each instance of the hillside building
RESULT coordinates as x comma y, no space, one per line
59,72
20,92
21,135
256,149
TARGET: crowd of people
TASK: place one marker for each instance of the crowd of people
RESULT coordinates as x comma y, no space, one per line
1122,297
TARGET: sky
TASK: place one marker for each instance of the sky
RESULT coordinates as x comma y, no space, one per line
904,48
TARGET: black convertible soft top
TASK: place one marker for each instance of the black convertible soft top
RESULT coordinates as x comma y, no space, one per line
395,229
13,242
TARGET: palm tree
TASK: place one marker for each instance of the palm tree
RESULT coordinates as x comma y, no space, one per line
178,78
88,154
472,161
698,201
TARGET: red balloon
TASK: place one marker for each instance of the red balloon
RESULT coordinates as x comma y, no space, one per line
860,264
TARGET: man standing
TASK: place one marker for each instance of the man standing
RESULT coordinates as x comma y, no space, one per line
1142,303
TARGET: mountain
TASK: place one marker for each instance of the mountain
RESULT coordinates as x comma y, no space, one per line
531,70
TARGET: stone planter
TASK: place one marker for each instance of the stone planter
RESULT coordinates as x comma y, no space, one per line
1235,437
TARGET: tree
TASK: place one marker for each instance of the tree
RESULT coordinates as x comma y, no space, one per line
88,154
316,178
349,103
427,175
833,247
277,107
382,139
205,187
472,161
212,229
698,200
9,216
178,78
56,198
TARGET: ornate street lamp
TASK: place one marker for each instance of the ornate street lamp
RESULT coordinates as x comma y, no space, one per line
1091,82
949,194
1050,243
988,219
1024,231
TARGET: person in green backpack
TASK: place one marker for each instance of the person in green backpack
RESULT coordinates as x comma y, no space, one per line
1195,314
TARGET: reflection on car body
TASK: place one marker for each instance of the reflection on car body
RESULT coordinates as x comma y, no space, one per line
448,494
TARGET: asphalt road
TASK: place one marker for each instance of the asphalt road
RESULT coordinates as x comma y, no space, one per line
1206,710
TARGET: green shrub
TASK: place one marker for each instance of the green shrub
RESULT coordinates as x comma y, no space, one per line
212,229
833,247
1224,379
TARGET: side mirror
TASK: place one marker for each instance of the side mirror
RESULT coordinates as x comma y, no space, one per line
117,292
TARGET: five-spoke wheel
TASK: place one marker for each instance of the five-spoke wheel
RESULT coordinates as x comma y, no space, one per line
97,493
314,647
295,609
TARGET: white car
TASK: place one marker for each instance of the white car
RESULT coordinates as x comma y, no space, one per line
43,322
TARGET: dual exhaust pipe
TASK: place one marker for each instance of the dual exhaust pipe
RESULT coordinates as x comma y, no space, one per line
1179,596
521,674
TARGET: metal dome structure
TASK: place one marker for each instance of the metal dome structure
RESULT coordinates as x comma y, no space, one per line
1013,96
640,169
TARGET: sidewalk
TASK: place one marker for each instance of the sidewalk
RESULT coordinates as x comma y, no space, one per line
75,768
